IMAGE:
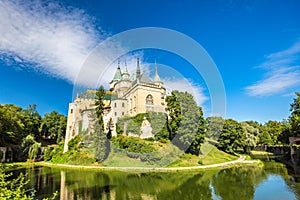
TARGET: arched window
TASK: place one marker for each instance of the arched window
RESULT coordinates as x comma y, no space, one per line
149,103
149,100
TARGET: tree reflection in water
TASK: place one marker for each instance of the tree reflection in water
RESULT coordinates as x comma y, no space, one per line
233,183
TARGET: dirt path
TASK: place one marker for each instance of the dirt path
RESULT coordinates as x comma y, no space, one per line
157,169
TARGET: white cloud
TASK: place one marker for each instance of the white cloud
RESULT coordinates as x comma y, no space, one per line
282,73
57,40
184,85
53,38
278,81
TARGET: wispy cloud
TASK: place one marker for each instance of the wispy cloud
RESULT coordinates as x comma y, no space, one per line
52,38
185,85
282,74
57,40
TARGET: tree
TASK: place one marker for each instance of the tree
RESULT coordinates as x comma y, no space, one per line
100,143
97,142
295,116
200,135
11,124
264,136
214,128
286,129
250,136
174,109
100,106
231,137
186,124
31,148
53,126
31,120
274,129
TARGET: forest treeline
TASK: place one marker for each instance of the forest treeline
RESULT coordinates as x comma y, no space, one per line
26,130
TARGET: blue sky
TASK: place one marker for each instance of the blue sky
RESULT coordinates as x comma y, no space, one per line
255,45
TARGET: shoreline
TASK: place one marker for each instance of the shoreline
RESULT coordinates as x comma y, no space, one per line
235,163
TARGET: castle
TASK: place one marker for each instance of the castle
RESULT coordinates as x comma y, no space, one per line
129,95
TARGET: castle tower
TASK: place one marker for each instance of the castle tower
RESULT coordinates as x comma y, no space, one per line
125,75
156,79
117,77
138,70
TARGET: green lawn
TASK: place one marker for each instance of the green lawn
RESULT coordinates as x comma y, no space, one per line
212,155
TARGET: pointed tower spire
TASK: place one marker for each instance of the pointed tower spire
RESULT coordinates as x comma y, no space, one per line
138,70
125,75
126,70
156,78
118,74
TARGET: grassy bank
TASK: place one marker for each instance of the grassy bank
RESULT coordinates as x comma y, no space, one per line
211,158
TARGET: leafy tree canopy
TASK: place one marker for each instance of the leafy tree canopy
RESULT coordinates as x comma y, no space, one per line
295,116
186,124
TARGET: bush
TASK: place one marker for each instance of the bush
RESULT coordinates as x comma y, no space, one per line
75,143
152,157
15,188
200,162
132,144
48,153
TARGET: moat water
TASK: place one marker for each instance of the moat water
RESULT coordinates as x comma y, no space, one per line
274,181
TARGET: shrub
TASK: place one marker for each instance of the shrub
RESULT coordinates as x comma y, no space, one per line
15,189
75,143
48,153
132,144
200,162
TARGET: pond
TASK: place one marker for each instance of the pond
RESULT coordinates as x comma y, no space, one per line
272,182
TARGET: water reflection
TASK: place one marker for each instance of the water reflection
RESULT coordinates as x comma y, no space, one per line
235,183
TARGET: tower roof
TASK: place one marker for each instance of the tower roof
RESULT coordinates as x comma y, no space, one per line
156,78
118,74
138,70
125,75
145,79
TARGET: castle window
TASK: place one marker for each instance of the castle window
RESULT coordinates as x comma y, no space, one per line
149,103
122,113
149,100
71,111
115,113
123,105
115,105
134,101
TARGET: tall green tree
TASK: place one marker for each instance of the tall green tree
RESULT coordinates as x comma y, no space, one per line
31,120
231,137
100,143
31,148
186,124
274,129
53,126
11,124
97,142
264,138
195,147
174,110
214,127
250,134
295,116
100,106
